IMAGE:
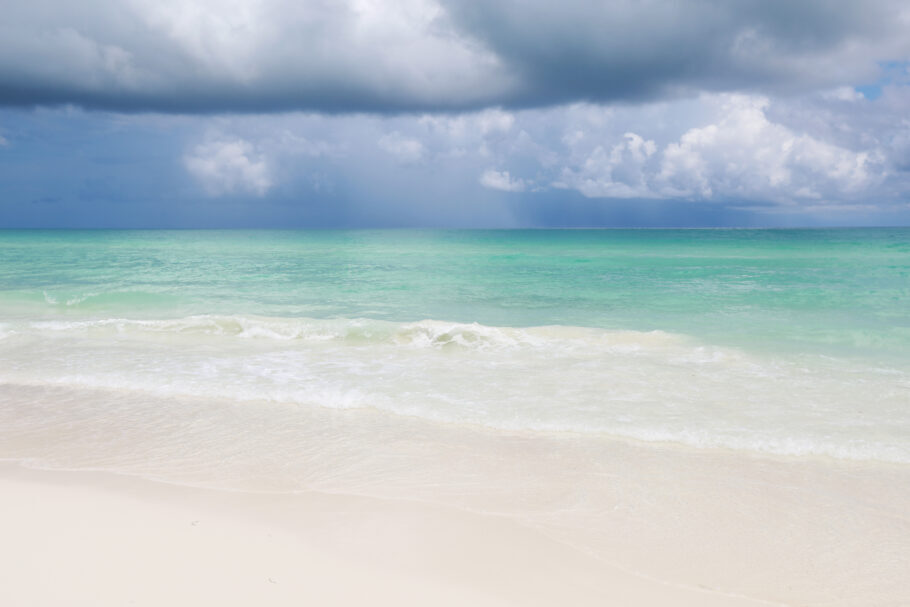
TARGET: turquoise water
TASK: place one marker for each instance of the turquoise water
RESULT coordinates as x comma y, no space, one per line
784,341
843,290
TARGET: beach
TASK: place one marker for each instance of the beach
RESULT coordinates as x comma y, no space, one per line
361,303
90,539
670,528
492,418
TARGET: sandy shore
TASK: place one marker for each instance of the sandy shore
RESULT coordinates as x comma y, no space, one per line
83,538
273,505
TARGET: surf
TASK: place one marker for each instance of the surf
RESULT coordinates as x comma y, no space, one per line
655,386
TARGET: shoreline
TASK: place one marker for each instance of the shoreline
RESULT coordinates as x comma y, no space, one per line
405,511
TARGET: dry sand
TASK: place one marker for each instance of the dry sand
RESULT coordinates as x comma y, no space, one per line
325,507
85,538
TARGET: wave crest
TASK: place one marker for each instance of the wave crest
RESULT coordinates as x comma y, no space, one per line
421,334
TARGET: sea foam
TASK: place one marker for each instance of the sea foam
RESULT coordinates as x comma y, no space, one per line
643,385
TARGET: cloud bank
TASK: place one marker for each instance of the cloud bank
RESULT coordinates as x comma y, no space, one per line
202,56
454,112
739,155
834,148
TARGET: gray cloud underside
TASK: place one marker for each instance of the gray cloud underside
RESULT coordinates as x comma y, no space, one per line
427,55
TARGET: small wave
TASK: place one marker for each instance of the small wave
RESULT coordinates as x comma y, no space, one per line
69,301
223,326
103,299
786,446
346,397
652,386
434,334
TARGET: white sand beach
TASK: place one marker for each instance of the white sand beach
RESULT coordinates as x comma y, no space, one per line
291,443
99,539
705,530
428,303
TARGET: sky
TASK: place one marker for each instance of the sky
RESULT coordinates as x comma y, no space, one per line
454,113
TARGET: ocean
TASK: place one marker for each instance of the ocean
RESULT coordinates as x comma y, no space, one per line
783,342
707,408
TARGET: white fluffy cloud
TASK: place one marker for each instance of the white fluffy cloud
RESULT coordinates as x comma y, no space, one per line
739,154
229,166
501,180
615,173
745,155
726,149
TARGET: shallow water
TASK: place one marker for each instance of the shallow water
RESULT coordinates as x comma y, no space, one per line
759,382
793,342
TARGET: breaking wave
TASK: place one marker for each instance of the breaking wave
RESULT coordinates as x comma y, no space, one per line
651,386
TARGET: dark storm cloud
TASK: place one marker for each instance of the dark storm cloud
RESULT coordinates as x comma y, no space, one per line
241,55
632,50
205,56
